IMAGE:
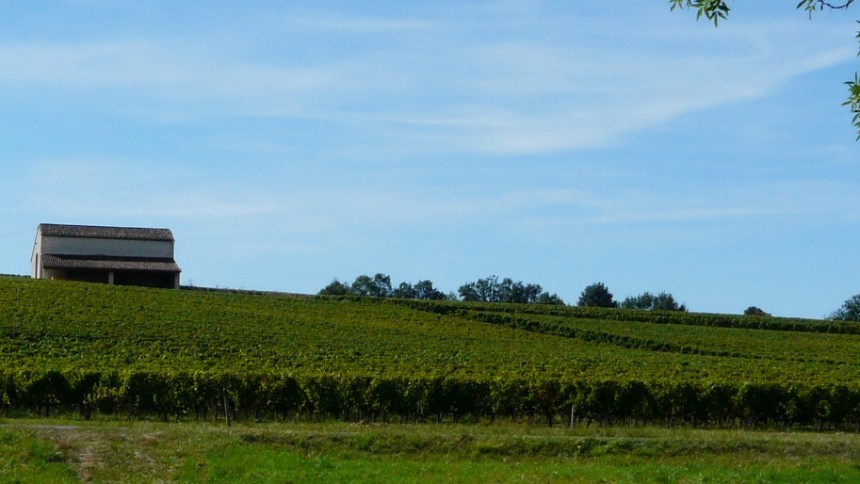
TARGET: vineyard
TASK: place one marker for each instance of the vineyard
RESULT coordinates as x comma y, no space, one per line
147,353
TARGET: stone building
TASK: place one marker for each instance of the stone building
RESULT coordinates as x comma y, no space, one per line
112,255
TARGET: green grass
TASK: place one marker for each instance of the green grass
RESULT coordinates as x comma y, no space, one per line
66,451
25,459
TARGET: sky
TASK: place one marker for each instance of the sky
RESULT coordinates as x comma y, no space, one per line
560,143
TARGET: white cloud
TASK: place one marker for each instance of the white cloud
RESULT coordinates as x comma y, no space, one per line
134,189
317,21
512,93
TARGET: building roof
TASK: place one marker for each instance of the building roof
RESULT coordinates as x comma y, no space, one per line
55,261
99,232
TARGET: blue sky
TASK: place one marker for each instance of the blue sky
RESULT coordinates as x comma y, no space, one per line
559,143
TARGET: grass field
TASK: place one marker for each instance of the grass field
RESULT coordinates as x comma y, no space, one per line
71,451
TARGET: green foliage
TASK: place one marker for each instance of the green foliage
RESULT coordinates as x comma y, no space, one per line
850,310
755,311
421,290
716,10
853,101
27,459
378,286
547,298
336,288
596,295
491,289
810,6
337,452
405,291
713,10
649,302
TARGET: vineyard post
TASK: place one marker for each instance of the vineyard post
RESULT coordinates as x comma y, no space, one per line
572,414
226,405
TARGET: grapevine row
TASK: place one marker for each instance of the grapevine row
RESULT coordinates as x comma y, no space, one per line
637,315
418,398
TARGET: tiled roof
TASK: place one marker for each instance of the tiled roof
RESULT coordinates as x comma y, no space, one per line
52,261
98,232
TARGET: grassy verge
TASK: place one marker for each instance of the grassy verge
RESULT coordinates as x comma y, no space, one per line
63,451
26,458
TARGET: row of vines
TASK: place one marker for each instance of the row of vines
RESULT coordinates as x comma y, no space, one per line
642,316
270,396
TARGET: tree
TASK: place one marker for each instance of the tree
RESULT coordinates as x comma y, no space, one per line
482,290
490,289
716,10
421,290
335,288
547,298
468,292
649,302
362,286
642,301
755,311
425,290
596,295
666,302
523,293
382,284
405,291
378,286
850,310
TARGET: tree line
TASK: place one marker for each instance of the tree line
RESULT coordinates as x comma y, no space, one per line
380,286
495,290
598,295
489,289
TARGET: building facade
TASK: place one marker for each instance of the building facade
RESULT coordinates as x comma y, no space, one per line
112,255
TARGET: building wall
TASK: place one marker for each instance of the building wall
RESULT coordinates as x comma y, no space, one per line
35,258
107,247
103,247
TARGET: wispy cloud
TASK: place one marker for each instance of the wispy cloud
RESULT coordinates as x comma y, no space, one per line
506,94
110,190
316,21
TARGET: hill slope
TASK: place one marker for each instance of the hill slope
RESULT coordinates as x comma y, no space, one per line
145,350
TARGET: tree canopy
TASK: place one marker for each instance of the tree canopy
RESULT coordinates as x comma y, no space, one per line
421,290
850,310
596,295
336,288
755,311
377,286
491,289
716,10
650,302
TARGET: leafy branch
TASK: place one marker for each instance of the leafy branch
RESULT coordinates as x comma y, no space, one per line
716,10
853,101
713,10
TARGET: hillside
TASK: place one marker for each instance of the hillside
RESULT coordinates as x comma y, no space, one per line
183,353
